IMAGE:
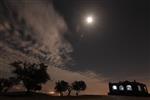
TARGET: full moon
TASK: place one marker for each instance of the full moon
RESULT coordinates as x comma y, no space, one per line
89,20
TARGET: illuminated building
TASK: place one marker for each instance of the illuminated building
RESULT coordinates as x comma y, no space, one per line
128,88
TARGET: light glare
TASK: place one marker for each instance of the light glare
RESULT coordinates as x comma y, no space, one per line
89,19
114,87
52,92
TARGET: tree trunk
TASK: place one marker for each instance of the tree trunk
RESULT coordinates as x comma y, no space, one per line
77,93
28,90
5,90
61,94
69,92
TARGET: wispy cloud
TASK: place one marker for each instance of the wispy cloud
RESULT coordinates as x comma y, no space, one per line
36,29
33,31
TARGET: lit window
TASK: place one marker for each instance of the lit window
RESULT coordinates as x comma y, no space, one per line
114,87
139,88
121,88
129,87
145,88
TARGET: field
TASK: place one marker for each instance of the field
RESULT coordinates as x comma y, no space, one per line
87,97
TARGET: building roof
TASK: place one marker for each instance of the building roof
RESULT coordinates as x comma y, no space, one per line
128,82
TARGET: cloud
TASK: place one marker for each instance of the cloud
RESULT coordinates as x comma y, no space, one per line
96,84
36,29
32,31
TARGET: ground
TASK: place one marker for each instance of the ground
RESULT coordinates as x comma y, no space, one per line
47,97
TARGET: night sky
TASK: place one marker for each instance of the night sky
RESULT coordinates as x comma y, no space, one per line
115,47
118,45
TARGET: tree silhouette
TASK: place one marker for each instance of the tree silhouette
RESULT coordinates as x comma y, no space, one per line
79,86
61,86
32,75
6,84
69,90
3,86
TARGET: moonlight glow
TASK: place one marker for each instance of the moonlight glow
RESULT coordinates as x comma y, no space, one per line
89,20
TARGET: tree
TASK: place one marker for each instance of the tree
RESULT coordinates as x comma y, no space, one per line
6,84
2,85
69,90
61,86
32,75
79,86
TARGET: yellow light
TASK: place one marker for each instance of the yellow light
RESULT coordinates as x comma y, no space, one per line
52,92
